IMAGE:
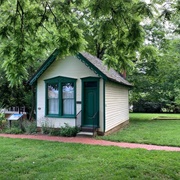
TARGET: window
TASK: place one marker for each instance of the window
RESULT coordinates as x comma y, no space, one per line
60,97
53,98
68,98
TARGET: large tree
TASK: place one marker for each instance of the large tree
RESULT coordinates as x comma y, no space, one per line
29,29
111,30
156,78
155,73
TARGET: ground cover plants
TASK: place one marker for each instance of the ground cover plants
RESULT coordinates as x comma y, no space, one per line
143,129
35,159
30,127
18,127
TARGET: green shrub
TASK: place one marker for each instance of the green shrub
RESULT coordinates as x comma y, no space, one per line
15,127
2,118
13,130
68,131
55,132
15,124
45,130
147,107
29,127
45,127
3,124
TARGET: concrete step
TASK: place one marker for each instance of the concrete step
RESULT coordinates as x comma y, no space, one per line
87,134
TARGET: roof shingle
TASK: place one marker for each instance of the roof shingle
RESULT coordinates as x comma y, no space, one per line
109,73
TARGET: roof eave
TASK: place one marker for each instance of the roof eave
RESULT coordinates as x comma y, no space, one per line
121,83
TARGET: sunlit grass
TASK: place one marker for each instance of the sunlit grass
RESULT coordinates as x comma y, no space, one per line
150,116
143,129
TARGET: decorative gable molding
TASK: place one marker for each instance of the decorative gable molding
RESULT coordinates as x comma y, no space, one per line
90,65
43,68
92,62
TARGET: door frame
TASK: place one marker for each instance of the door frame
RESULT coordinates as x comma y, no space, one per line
89,79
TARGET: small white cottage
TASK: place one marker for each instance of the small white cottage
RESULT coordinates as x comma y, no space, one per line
81,91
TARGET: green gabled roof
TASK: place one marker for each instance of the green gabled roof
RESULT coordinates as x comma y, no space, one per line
92,62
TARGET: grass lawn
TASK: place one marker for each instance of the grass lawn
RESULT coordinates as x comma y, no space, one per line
150,116
142,129
33,159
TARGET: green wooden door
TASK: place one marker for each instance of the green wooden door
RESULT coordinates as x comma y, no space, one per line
91,99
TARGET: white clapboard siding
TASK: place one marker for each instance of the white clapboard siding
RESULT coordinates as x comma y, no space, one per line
69,67
116,103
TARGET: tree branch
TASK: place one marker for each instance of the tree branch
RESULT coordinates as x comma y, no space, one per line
43,16
117,27
46,29
55,18
21,15
126,22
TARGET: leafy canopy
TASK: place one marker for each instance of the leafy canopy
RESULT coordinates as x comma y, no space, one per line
31,29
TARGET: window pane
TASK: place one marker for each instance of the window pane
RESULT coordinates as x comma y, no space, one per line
53,106
53,99
68,98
